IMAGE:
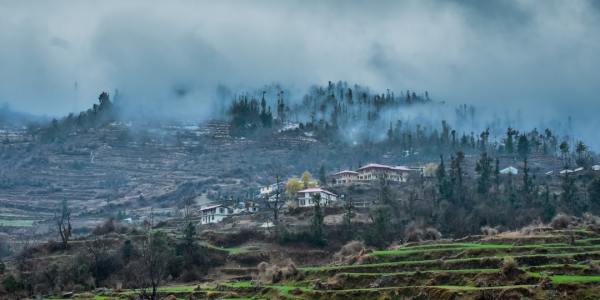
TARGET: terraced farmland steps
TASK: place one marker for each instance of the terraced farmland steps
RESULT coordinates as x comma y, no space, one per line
545,268
521,267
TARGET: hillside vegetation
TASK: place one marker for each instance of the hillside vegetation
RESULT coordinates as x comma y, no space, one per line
537,262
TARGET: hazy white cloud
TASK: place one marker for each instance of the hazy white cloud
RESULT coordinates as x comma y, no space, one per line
168,56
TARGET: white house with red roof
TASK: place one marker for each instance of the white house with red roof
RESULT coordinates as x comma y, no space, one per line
345,177
306,196
376,172
214,213
372,172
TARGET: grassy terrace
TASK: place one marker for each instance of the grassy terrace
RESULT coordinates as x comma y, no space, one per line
16,223
463,270
593,243
434,262
233,250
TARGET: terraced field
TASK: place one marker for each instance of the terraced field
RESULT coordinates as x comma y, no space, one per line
550,265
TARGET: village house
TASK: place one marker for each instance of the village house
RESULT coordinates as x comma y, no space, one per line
345,177
306,196
214,213
377,172
245,207
510,170
373,172
269,191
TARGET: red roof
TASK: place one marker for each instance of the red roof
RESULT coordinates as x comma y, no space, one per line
378,166
212,206
403,168
316,190
346,172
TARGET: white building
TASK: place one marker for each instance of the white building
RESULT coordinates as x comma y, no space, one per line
566,171
373,172
596,167
305,197
268,189
377,172
345,177
246,207
214,213
510,170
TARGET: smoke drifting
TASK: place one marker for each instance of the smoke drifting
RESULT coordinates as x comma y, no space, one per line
167,58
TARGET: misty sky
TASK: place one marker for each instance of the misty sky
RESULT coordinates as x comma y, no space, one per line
169,56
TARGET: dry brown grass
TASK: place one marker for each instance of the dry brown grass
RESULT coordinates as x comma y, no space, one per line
350,253
272,273
489,231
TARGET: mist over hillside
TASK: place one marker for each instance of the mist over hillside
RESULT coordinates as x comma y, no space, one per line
171,60
359,113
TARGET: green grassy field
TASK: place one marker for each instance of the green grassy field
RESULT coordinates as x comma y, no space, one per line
16,222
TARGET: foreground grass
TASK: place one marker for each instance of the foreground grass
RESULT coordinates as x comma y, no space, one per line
232,250
406,251
438,261
574,278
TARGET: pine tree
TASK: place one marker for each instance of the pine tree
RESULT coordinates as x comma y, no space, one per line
497,175
549,210
456,175
317,234
484,169
569,191
322,175
527,181
444,187
347,222
379,233
509,140
523,146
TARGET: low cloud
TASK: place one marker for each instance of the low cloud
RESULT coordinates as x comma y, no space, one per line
169,57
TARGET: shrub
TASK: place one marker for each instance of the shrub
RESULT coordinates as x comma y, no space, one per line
190,275
592,267
432,234
232,239
349,251
590,219
11,284
351,248
107,227
291,237
489,231
271,273
509,266
414,235
560,221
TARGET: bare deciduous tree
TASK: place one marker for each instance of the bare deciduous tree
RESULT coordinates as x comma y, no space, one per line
96,249
63,222
275,203
155,253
